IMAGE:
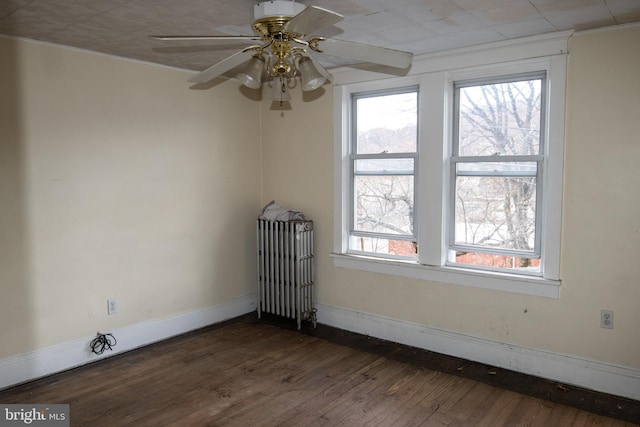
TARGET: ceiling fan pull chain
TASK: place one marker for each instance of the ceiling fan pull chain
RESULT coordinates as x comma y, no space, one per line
283,90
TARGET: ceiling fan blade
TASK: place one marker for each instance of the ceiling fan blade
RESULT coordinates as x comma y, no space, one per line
222,67
224,38
362,52
311,19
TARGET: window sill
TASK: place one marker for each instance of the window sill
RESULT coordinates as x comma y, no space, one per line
526,285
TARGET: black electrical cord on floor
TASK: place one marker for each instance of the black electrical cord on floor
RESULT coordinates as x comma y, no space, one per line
102,342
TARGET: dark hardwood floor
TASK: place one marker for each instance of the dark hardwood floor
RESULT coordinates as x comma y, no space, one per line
246,372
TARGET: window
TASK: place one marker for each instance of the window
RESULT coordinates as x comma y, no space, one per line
455,175
496,163
384,141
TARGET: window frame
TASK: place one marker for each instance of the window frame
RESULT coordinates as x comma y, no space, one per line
539,159
354,156
435,75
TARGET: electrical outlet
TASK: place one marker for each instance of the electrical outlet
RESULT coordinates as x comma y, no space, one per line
112,306
606,319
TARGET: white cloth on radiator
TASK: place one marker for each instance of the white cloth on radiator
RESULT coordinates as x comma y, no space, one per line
274,212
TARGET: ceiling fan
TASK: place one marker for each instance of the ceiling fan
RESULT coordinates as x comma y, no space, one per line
285,50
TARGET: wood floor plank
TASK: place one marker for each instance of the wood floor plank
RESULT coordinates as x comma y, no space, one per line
499,413
527,411
562,416
586,419
480,405
349,398
248,373
469,402
291,385
544,411
325,390
446,409
433,398
372,406
307,384
401,398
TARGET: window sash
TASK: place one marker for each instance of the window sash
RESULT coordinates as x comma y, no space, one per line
384,211
499,79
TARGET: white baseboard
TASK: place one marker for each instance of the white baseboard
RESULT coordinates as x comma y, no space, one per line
60,357
566,369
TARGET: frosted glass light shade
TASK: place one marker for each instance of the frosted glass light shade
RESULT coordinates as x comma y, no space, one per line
280,91
251,75
311,77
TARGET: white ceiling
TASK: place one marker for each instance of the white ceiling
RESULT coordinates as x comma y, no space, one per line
122,27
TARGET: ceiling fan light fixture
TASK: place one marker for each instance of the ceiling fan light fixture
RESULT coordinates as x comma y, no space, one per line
251,74
285,50
309,74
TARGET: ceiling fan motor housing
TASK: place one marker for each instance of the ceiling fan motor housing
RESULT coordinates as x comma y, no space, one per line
277,8
270,16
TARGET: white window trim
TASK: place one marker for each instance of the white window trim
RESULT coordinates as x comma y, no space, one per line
435,74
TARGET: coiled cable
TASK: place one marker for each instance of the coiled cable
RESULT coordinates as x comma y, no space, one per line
102,342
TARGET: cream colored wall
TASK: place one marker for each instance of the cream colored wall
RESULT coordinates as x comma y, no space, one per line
298,171
117,181
601,219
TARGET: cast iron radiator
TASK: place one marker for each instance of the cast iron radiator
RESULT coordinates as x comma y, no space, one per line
285,269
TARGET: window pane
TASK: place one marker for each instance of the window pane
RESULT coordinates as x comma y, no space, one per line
384,204
387,124
381,166
383,246
500,119
497,261
496,168
495,212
